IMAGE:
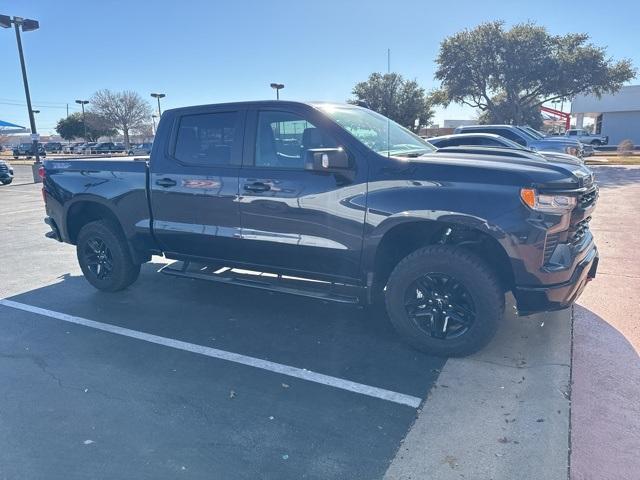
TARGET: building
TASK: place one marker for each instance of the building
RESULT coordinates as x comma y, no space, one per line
616,115
458,123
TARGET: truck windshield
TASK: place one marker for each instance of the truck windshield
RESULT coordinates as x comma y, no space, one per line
529,134
376,131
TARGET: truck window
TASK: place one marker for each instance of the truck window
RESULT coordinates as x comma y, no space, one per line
208,139
283,139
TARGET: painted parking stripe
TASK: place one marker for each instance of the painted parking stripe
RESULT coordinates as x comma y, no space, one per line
300,373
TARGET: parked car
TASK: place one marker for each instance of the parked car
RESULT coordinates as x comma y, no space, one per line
69,148
6,173
472,151
585,137
360,210
53,147
586,147
142,149
492,140
106,147
87,147
526,139
27,150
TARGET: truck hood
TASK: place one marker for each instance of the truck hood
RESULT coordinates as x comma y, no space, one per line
541,172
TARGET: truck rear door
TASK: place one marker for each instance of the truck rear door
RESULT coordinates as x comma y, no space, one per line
194,181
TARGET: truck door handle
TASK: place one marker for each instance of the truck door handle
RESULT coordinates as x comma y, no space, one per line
257,187
166,182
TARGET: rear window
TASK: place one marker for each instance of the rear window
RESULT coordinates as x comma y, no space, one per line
208,139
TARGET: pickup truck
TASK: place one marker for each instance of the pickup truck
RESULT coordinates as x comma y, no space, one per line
337,203
27,150
527,139
585,137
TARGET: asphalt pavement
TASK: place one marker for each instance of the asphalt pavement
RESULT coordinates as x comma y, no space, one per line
180,378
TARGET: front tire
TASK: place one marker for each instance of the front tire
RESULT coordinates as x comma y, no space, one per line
7,182
104,256
444,300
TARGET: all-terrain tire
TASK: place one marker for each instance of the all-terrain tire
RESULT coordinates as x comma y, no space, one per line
124,271
471,273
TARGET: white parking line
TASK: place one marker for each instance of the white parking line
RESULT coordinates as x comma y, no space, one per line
300,373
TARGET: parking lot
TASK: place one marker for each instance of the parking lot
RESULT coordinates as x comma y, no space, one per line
176,377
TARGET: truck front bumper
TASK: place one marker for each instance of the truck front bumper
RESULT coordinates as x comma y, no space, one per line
556,297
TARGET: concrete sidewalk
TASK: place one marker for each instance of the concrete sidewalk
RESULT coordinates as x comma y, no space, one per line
605,419
502,413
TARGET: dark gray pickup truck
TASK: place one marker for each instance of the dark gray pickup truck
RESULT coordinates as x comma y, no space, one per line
337,203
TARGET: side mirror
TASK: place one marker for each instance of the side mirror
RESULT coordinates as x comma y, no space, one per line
326,159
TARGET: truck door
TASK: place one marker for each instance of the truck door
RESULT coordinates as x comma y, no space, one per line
295,219
194,182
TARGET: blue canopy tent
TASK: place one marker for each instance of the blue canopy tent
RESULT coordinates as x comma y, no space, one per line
6,127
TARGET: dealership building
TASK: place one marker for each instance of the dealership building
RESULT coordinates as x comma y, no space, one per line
615,115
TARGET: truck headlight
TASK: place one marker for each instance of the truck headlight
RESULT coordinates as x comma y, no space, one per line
547,203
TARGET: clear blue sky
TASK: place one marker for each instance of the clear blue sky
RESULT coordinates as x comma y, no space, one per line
199,51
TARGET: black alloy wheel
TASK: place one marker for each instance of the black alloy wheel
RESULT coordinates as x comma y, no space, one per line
440,306
99,259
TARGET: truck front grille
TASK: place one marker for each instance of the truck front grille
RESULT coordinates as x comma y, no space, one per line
550,245
588,198
578,232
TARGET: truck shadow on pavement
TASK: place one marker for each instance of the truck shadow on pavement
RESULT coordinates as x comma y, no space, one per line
343,341
605,409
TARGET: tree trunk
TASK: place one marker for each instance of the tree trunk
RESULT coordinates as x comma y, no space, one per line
125,132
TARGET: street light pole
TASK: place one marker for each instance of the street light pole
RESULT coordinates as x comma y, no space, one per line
27,25
277,87
158,96
82,103
153,119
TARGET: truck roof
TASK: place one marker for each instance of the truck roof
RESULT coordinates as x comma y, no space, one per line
262,103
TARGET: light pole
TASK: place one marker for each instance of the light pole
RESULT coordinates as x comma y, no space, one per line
277,87
153,120
158,96
82,103
27,25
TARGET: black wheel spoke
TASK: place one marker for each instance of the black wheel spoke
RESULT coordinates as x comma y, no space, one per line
98,258
440,305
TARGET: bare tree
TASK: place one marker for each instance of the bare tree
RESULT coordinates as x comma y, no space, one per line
125,111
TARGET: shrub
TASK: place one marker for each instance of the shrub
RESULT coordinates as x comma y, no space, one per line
625,147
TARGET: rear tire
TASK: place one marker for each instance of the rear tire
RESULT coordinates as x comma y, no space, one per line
444,300
104,256
596,143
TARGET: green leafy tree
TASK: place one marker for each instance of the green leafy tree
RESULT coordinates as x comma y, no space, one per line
510,72
72,127
502,113
125,111
392,96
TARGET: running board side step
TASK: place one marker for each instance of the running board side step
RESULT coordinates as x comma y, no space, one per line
305,287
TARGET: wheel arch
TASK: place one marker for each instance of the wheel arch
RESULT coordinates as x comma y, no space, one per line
402,238
84,211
